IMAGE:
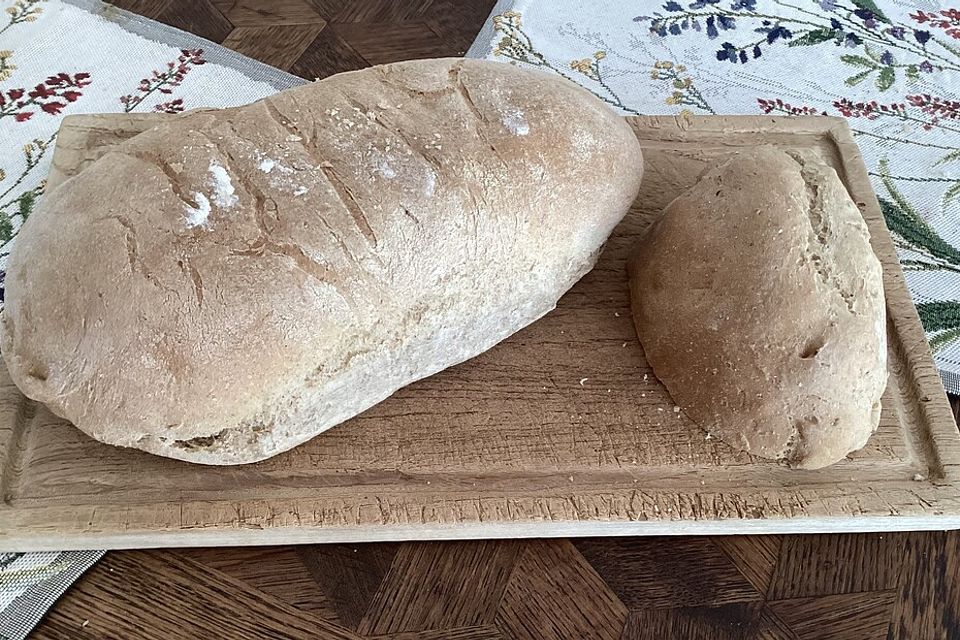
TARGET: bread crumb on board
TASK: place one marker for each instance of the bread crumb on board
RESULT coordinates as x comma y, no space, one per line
583,380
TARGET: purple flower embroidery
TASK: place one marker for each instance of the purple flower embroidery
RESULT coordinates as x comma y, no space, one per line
897,32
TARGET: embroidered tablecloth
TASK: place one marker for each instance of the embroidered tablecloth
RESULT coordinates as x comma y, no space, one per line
81,56
892,69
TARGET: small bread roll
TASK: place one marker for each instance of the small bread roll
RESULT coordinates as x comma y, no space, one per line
759,304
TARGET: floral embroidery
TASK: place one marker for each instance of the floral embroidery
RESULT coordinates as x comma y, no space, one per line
6,67
948,20
887,48
51,96
779,106
173,106
162,81
516,46
684,93
936,107
16,208
22,11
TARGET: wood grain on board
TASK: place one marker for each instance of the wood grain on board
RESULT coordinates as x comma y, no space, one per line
560,430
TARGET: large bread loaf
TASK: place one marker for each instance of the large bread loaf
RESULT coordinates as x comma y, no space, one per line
230,284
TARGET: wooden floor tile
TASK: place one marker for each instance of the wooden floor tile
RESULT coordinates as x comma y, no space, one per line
928,597
847,616
455,21
277,45
152,9
278,571
754,556
327,55
463,633
382,43
374,11
349,575
667,572
816,565
199,17
769,626
256,13
146,594
554,594
729,622
440,585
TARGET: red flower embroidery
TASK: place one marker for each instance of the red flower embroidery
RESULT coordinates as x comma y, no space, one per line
936,107
946,19
49,96
162,81
42,91
174,106
53,108
869,110
778,105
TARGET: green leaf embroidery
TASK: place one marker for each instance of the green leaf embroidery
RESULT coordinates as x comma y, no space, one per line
939,316
951,193
950,157
858,61
886,78
6,229
853,81
917,233
955,51
816,36
32,574
919,265
912,72
25,204
944,338
872,7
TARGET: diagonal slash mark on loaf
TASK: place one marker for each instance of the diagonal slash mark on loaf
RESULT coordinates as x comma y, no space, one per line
343,192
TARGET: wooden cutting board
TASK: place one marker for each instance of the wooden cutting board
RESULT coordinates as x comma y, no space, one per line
562,430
